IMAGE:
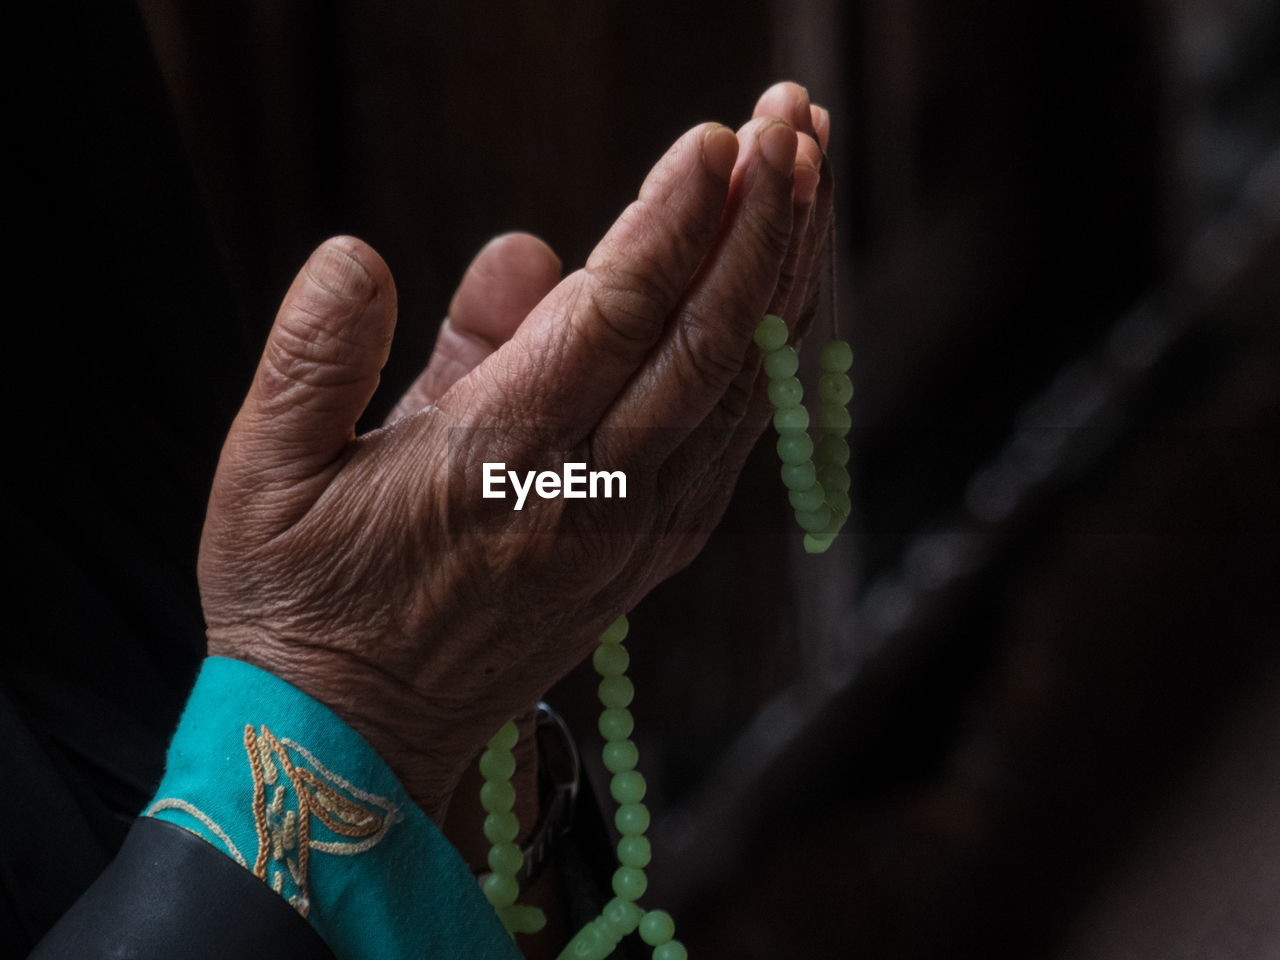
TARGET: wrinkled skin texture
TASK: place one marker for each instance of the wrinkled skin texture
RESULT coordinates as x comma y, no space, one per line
367,570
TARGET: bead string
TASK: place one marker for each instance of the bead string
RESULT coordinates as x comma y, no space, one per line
816,476
501,827
817,479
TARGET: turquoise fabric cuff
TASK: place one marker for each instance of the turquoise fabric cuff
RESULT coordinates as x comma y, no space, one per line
283,786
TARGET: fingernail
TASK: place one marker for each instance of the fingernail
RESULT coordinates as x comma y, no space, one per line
778,144
805,103
822,123
719,151
806,182
335,268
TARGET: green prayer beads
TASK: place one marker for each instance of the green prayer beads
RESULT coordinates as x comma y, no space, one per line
634,852
785,392
833,419
783,362
616,692
629,883
621,916
791,419
817,481
811,498
836,357
616,723
497,796
620,755
611,660
835,388
501,890
505,858
497,765
627,786
814,521
832,449
501,827
799,476
771,334
795,447
631,819
814,473
657,928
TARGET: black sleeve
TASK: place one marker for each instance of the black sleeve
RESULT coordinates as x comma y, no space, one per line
168,893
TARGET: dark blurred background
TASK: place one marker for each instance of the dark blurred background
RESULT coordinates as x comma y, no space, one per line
1030,705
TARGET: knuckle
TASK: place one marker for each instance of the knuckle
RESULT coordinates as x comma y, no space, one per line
628,300
710,352
771,231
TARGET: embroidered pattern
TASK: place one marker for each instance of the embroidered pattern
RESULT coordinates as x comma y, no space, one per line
306,804
299,807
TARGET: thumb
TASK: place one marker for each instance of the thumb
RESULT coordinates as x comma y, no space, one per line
318,370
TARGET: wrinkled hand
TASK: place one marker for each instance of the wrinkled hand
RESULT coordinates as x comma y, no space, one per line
368,571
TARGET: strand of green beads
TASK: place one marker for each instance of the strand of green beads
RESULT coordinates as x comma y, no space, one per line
501,827
657,929
819,494
835,390
791,420
622,915
815,476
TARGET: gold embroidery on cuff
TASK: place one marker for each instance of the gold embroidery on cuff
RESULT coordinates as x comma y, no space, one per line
326,802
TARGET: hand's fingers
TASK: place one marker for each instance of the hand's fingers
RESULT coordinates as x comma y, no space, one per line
581,345
693,479
797,280
790,101
787,100
810,275
504,282
731,429
318,370
704,351
793,280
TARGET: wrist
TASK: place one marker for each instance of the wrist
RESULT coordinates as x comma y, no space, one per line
428,754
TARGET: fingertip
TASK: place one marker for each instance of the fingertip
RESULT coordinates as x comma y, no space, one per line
787,100
507,278
522,254
777,141
719,151
347,268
